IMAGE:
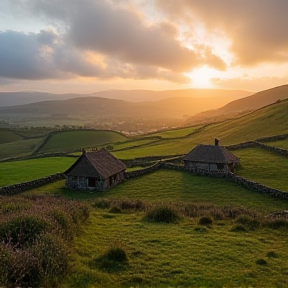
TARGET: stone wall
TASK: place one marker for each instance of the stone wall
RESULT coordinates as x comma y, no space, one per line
273,138
25,186
253,144
140,172
248,184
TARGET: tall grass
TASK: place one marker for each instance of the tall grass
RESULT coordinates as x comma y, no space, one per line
35,233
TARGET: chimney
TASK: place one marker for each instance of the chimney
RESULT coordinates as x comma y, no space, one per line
216,142
83,151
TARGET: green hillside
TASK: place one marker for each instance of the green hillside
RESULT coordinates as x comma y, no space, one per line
70,140
26,170
8,136
268,121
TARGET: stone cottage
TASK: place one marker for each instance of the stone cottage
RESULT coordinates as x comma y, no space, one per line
97,170
211,158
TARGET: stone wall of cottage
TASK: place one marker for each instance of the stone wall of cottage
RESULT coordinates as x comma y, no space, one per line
25,186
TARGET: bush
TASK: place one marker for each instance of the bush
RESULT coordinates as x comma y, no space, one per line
278,223
163,214
115,258
248,222
101,204
238,228
272,254
205,221
115,209
22,230
261,262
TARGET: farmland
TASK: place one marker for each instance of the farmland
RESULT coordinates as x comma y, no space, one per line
249,249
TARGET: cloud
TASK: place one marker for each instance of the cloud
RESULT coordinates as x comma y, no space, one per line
257,29
126,41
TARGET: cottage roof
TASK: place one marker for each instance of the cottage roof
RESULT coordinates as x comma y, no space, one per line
211,154
96,164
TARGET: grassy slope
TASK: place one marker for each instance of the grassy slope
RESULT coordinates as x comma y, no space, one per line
7,136
21,148
63,141
263,166
158,253
25,170
283,144
267,121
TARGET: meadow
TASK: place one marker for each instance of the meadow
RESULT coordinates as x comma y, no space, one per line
26,170
184,253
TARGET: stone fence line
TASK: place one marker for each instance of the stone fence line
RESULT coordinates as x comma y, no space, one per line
25,186
251,185
253,144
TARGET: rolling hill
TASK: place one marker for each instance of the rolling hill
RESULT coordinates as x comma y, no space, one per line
27,97
98,107
243,105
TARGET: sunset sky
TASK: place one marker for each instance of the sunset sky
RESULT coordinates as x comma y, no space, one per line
92,45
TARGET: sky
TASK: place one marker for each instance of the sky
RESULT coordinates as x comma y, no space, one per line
85,46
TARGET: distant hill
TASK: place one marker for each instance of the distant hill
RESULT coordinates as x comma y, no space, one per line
97,107
241,106
27,97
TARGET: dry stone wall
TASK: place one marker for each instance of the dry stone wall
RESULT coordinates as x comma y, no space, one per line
253,144
25,186
248,184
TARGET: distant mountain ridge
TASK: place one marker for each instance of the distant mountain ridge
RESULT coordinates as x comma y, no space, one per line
27,97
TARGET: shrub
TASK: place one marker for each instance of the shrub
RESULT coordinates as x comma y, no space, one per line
278,223
101,204
22,230
205,221
248,222
272,254
115,258
163,214
238,228
261,262
115,209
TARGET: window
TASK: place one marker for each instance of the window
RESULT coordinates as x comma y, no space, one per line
220,166
91,182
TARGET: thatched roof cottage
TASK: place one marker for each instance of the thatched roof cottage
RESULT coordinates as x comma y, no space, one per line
211,158
97,170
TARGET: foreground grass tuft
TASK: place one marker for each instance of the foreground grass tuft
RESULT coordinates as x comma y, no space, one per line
162,214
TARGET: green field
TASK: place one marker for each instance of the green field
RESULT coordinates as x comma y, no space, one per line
175,255
7,136
69,140
176,133
263,166
283,144
25,170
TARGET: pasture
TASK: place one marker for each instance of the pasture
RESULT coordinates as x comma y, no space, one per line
174,255
26,170
70,140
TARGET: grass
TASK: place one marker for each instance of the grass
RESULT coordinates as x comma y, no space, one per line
20,148
181,187
280,143
25,170
175,133
177,255
8,136
263,166
69,140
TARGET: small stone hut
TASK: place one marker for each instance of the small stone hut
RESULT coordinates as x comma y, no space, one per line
211,158
97,170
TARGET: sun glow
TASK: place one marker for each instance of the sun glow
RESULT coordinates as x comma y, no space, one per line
200,78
